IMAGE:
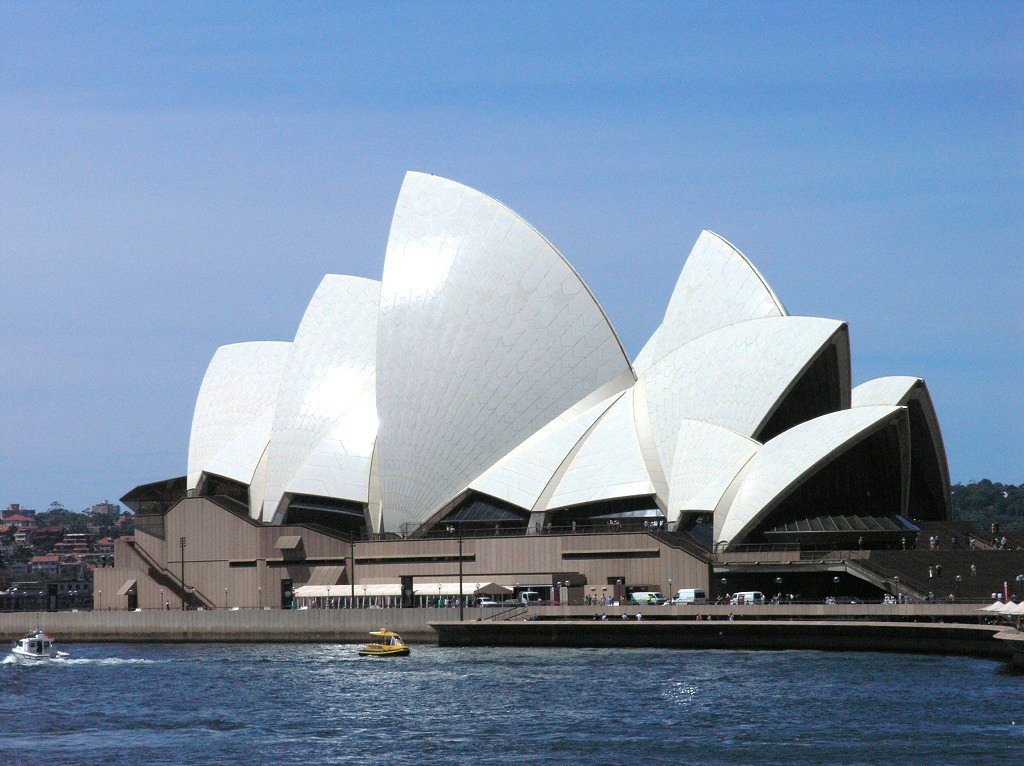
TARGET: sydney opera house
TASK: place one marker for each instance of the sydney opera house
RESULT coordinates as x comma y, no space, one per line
476,409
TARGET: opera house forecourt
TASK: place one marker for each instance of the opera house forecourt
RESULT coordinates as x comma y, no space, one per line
474,411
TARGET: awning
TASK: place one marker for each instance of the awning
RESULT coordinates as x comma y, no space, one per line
288,542
452,589
493,589
128,587
331,591
998,606
326,575
394,589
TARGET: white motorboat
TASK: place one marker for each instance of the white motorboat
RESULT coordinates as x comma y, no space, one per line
36,648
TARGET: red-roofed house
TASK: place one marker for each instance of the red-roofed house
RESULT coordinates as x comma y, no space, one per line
48,564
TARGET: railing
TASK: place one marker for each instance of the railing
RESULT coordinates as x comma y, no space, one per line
682,541
189,596
507,614
902,583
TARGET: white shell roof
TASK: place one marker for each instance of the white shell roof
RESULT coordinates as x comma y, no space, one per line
234,410
795,455
717,287
608,463
733,377
894,389
521,476
486,334
901,389
707,459
482,361
327,389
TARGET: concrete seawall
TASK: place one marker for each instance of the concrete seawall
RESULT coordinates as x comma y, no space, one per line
927,629
908,637
252,625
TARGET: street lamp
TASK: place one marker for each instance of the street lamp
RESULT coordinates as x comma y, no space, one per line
161,604
183,542
958,580
100,599
225,598
462,597
260,591
835,581
670,594
364,596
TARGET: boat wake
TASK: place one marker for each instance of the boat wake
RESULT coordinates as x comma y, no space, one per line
11,660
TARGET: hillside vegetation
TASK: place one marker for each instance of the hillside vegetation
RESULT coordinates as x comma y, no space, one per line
985,502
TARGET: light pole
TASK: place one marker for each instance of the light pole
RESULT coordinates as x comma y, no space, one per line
259,590
101,599
161,604
778,581
835,581
364,596
725,593
225,598
182,542
352,573
958,580
670,594
559,587
462,597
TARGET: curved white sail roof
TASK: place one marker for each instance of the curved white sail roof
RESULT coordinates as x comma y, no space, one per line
486,334
902,390
482,362
893,389
717,287
795,455
733,377
324,392
521,476
707,459
234,410
608,463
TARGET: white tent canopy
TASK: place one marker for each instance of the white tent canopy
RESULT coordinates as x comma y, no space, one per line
439,589
1001,608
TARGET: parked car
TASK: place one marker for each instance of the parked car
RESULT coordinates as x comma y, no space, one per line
847,600
651,597
486,602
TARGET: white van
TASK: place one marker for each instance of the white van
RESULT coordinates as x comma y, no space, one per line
647,597
747,597
528,597
695,596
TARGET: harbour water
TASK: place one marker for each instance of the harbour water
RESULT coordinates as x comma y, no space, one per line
321,704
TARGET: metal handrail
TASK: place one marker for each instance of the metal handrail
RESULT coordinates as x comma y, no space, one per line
507,614
181,589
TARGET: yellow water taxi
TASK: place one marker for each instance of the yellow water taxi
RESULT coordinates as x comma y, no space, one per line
390,645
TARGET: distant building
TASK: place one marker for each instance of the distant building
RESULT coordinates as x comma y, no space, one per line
47,565
105,509
74,543
15,509
43,539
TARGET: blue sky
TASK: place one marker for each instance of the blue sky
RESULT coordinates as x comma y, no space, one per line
177,177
